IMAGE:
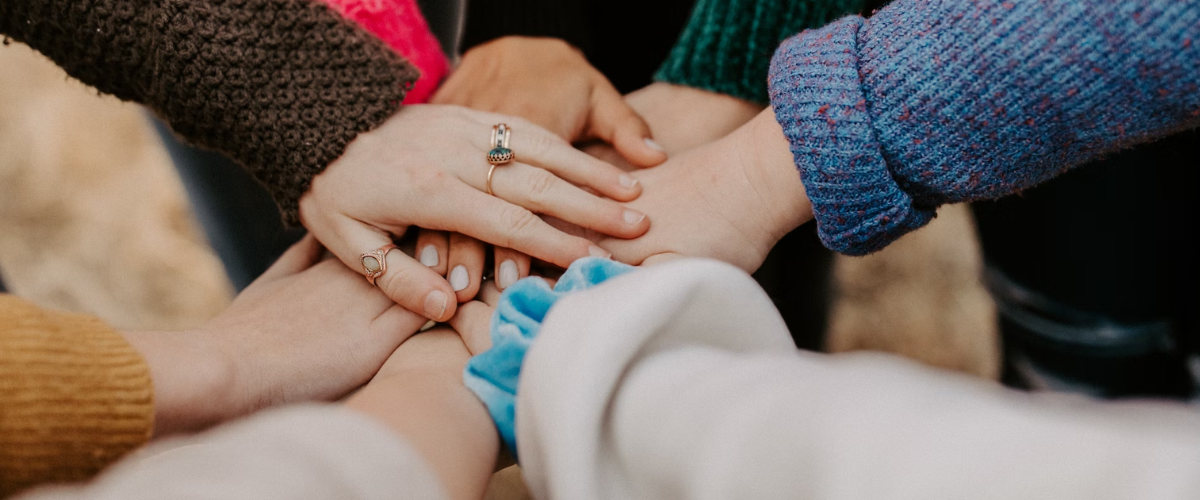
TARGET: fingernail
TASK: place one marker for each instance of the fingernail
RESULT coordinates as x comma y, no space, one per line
655,145
429,256
508,274
428,324
596,251
435,304
633,217
459,279
627,181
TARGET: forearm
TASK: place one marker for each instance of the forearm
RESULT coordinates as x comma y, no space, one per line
193,381
74,396
681,381
443,421
280,86
873,426
301,452
726,46
933,102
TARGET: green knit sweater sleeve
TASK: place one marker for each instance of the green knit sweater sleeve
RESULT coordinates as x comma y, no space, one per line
726,46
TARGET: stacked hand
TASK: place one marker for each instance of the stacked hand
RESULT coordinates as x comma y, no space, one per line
426,167
730,200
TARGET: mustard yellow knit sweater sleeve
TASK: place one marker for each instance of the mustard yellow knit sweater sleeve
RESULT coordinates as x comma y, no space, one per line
74,396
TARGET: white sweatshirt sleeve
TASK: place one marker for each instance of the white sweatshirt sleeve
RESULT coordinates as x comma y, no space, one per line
680,381
316,452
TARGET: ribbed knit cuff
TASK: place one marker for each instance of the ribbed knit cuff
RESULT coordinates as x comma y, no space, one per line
727,44
817,97
488,20
74,396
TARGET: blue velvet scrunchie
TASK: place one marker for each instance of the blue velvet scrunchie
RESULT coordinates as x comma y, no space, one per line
493,375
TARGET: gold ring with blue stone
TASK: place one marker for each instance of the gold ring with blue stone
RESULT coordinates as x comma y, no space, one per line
500,154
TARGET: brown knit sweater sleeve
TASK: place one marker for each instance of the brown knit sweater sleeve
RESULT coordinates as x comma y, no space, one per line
281,86
74,396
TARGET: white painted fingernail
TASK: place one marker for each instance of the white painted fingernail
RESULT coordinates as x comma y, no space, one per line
429,256
596,251
428,324
654,145
435,304
633,217
508,274
459,279
627,181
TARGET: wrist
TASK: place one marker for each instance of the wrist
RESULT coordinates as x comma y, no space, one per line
193,379
767,159
431,409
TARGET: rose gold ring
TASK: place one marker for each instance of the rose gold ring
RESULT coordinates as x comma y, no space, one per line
489,181
375,262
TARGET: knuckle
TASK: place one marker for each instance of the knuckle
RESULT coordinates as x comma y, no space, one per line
541,145
540,184
392,286
517,220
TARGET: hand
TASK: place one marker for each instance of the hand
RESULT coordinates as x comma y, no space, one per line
302,331
683,118
419,394
550,83
426,167
461,260
730,200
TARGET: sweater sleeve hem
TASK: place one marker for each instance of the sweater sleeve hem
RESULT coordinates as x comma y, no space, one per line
75,396
817,96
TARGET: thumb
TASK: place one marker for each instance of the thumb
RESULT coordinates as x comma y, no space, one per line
614,122
299,257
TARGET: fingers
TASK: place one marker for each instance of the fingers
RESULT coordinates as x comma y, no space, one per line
503,224
405,280
542,192
614,122
540,148
473,323
397,324
299,257
466,261
432,249
489,293
510,267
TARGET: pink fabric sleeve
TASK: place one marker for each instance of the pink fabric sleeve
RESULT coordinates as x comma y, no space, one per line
400,24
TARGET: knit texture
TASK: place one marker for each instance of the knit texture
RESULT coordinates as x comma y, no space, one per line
400,24
727,44
74,396
280,86
941,101
487,20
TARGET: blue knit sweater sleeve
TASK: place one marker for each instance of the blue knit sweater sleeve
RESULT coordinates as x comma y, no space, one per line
940,101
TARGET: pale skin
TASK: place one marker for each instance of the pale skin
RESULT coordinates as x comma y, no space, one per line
305,330
551,84
371,195
731,200
419,394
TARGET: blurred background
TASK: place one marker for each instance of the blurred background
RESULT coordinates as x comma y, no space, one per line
93,218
